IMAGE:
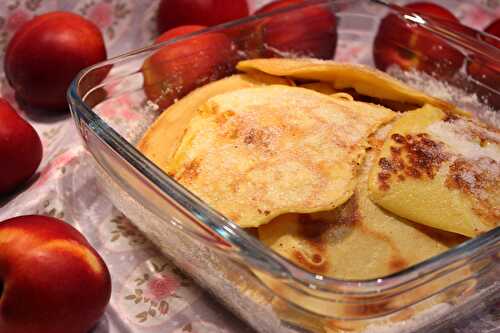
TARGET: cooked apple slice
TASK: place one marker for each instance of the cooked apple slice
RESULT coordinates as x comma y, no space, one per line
364,80
440,171
256,153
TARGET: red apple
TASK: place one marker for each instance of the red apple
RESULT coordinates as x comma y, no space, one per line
45,55
411,47
51,279
176,69
308,31
20,149
485,71
173,13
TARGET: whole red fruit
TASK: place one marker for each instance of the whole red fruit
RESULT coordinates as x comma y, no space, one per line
51,279
174,13
486,71
309,31
46,54
493,29
402,43
176,69
20,149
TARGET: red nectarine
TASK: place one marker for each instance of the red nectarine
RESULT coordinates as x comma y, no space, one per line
174,13
405,44
45,55
493,29
309,31
20,149
178,68
486,71
51,279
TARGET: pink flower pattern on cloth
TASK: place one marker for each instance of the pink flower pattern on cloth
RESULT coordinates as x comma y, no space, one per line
17,19
162,286
150,295
101,14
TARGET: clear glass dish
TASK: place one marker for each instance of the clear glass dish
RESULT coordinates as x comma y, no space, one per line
269,292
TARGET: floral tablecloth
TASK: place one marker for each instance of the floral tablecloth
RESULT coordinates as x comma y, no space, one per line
149,294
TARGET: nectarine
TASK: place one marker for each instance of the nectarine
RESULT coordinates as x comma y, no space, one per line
494,29
309,31
405,44
174,13
45,55
486,71
178,68
20,149
51,279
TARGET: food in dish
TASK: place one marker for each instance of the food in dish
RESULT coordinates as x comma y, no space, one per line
359,240
300,159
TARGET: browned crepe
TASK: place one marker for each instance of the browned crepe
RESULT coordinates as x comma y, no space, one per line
440,171
364,80
257,153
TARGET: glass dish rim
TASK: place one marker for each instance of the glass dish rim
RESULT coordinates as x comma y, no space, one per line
274,264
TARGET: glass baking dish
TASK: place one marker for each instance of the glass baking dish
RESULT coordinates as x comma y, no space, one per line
269,292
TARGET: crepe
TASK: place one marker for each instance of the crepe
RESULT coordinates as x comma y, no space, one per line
440,171
256,153
364,80
161,139
358,240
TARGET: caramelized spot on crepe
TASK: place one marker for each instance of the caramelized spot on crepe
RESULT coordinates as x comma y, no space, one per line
316,264
311,229
258,137
190,171
397,263
477,180
424,154
422,157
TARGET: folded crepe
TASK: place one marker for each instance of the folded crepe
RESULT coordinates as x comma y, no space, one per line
440,171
